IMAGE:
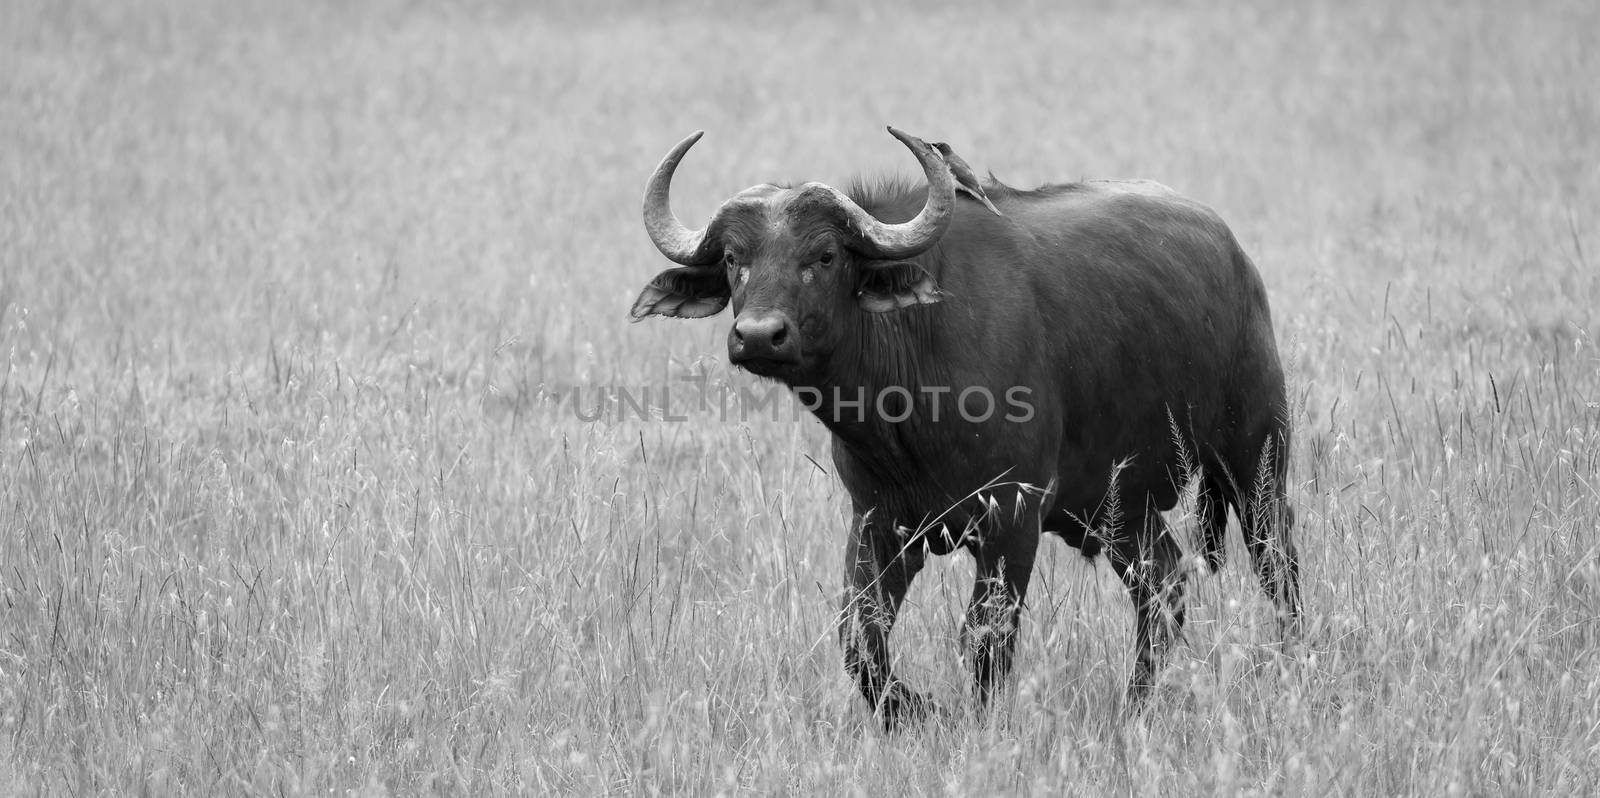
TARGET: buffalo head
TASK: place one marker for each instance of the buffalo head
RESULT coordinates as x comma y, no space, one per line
792,260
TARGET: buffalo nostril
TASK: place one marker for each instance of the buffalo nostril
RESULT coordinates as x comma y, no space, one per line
780,335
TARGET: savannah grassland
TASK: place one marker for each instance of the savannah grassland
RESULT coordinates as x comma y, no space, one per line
295,497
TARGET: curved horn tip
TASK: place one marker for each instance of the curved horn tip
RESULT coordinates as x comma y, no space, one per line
906,138
688,141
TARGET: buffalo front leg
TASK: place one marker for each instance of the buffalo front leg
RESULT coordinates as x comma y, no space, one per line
989,634
879,566
1150,565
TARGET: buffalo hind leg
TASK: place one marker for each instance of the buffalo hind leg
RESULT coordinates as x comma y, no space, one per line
1268,526
989,633
1212,510
879,567
1150,564
1267,522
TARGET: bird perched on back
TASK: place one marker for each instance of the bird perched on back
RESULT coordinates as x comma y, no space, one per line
965,180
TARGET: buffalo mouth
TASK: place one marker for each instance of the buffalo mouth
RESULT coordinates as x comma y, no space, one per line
766,366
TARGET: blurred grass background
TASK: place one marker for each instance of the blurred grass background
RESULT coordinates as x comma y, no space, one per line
287,504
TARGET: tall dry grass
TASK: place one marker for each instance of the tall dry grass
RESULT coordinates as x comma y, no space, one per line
295,304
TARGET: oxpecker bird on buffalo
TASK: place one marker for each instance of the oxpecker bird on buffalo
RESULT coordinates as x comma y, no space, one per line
994,364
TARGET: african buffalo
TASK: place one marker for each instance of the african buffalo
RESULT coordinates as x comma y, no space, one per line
999,363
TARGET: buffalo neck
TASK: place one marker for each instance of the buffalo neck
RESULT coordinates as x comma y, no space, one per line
881,361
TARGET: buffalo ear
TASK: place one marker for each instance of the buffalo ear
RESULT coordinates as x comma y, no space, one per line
687,292
887,286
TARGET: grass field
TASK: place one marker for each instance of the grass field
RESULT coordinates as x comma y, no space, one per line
301,311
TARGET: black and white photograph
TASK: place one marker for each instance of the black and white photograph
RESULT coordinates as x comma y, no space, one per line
823,398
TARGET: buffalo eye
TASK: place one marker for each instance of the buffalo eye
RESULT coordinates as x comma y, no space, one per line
825,258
